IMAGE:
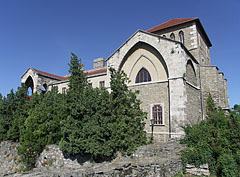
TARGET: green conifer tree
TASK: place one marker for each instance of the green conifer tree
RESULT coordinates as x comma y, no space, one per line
20,114
71,143
42,126
8,107
127,117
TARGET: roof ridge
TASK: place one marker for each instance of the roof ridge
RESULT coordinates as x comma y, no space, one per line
171,22
51,75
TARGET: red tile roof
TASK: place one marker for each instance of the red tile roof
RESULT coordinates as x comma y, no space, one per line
51,75
170,23
97,72
66,78
179,21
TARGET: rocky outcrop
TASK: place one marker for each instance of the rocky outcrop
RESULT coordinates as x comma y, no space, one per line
162,159
153,160
9,158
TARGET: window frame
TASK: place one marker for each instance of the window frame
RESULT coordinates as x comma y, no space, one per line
151,114
64,90
174,37
101,84
181,37
138,78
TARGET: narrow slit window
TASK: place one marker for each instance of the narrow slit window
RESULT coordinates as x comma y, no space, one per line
181,37
172,36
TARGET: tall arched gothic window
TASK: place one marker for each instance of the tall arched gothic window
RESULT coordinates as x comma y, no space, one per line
181,37
143,76
172,36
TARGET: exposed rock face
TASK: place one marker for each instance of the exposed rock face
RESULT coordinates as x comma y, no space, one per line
8,157
162,159
153,160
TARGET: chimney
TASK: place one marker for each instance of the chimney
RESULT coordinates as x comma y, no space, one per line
98,63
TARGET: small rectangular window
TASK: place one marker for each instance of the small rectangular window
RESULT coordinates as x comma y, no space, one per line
64,90
157,114
102,84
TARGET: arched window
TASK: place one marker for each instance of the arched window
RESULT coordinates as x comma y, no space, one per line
181,37
44,88
30,85
172,36
190,73
143,76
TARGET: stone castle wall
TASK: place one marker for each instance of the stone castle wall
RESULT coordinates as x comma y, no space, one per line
155,93
193,108
214,83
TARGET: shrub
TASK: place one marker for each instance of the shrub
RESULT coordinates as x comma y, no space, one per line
214,141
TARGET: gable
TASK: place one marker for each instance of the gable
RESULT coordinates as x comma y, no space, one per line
141,56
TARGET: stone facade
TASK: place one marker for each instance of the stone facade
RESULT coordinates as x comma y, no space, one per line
155,94
174,76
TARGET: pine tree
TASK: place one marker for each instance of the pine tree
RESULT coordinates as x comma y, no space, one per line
78,79
8,107
127,116
42,126
71,143
19,115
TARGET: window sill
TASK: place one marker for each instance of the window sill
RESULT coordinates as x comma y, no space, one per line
157,124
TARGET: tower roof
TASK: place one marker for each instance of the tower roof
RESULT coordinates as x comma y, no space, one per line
170,23
178,21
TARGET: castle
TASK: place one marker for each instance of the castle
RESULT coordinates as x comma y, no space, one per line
169,64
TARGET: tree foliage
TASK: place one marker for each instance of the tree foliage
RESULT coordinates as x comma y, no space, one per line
214,141
85,120
42,126
12,113
100,123
127,117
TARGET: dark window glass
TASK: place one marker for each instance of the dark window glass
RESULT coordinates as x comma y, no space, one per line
172,36
157,114
90,84
101,84
181,37
143,76
64,90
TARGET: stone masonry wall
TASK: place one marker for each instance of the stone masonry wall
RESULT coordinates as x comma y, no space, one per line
9,158
193,107
214,83
221,90
155,93
226,95
190,34
209,76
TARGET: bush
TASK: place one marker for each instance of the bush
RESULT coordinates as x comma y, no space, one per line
214,141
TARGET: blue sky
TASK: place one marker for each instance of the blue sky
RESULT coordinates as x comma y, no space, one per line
42,33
